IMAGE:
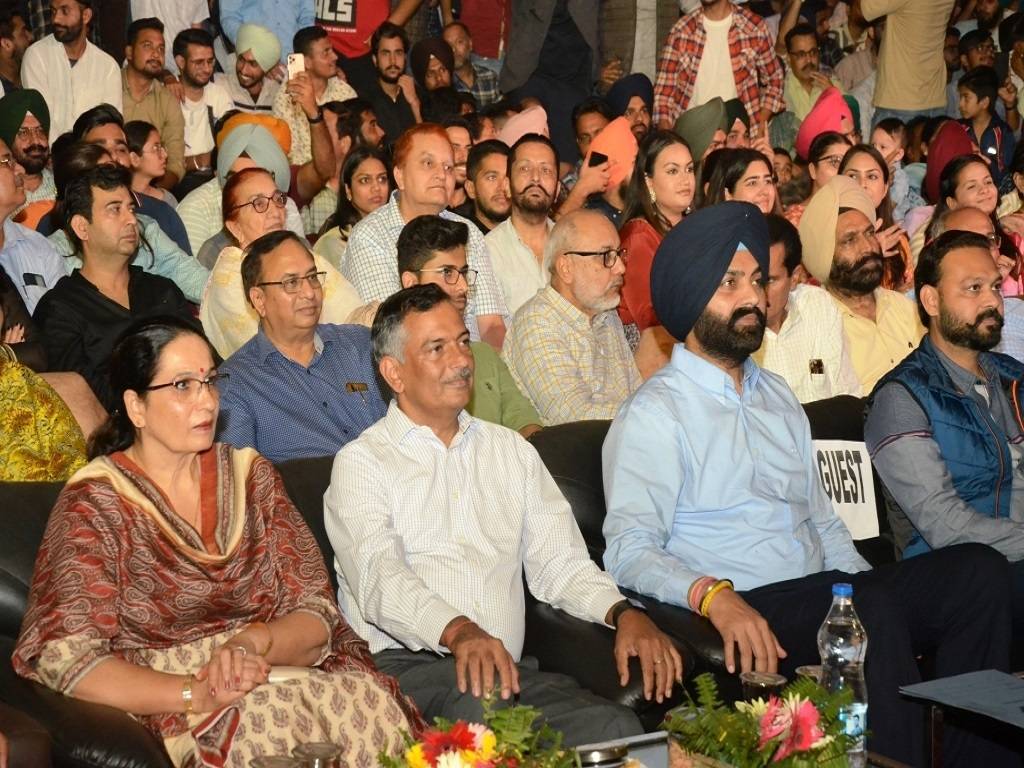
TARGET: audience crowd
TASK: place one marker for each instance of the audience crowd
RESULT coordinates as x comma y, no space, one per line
410,237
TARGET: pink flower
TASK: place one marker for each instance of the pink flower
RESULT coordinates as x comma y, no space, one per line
793,723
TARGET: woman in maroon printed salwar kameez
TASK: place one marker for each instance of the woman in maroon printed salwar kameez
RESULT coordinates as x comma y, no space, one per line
175,573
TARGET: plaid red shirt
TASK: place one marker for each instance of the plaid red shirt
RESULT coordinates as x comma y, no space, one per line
758,72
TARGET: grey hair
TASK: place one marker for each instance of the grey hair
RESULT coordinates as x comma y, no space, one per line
939,224
562,237
388,332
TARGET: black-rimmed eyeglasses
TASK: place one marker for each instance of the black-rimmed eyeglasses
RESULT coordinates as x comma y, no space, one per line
260,203
188,389
608,257
451,275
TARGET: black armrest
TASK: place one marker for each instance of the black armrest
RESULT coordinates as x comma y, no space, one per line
585,651
83,734
28,741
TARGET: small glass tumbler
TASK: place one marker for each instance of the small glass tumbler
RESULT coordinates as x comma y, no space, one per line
318,754
761,685
812,671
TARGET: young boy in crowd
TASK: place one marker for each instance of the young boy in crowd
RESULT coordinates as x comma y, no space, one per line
978,91
889,137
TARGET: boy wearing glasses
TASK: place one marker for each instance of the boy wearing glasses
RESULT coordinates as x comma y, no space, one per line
433,250
567,349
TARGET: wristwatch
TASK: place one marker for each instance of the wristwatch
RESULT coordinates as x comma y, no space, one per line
319,116
622,606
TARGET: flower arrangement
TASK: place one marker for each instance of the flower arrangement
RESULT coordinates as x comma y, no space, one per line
508,738
800,729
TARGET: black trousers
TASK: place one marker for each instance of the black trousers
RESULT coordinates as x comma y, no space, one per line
582,717
951,605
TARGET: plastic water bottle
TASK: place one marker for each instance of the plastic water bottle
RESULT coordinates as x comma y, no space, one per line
843,643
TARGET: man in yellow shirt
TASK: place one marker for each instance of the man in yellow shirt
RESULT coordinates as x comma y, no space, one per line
837,232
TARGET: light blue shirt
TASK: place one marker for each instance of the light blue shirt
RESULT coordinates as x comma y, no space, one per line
1012,341
702,480
33,265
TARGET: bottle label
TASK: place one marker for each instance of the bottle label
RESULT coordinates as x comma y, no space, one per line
854,717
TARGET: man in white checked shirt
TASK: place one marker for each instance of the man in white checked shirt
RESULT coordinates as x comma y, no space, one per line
424,174
433,515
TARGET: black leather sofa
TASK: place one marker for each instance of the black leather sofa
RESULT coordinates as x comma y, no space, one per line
91,735
83,734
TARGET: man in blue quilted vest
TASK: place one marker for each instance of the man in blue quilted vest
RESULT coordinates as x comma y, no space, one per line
944,427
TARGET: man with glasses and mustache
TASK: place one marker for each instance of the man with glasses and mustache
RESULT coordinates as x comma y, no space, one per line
72,74
944,427
567,350
715,503
841,251
517,244
24,128
299,388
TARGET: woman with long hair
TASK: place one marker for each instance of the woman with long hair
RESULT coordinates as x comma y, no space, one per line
365,187
176,573
865,165
659,194
741,174
148,158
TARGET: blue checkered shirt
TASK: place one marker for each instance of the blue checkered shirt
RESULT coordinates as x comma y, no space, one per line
289,411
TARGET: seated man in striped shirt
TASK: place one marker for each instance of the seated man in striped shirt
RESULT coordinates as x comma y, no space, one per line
433,516
298,388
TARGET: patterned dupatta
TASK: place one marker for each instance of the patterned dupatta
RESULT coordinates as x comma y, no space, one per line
120,574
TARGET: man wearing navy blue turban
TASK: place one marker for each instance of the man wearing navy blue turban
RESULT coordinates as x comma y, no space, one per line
715,504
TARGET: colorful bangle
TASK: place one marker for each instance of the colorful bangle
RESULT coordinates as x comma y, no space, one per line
698,589
705,604
186,693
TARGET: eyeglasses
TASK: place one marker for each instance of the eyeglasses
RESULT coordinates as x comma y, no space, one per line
994,239
187,390
292,284
261,203
832,161
24,133
156,149
608,258
984,48
452,275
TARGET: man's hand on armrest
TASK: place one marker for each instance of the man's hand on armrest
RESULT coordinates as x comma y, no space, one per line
636,635
741,625
477,654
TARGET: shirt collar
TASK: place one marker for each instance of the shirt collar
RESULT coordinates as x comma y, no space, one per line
400,427
712,378
265,347
963,379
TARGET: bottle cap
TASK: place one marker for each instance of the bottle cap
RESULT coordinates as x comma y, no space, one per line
842,589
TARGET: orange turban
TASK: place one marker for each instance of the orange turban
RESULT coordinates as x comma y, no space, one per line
277,128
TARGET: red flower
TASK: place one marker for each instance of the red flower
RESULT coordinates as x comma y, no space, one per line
793,723
455,739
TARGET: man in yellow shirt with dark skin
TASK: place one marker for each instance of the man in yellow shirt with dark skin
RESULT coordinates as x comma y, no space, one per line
433,250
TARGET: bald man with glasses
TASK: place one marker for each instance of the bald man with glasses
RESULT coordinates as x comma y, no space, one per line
567,349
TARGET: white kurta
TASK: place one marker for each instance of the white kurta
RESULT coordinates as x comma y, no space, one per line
70,91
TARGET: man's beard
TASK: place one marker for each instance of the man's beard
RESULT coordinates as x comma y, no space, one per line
530,205
496,216
987,25
722,340
389,79
69,35
971,335
191,82
859,278
33,165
